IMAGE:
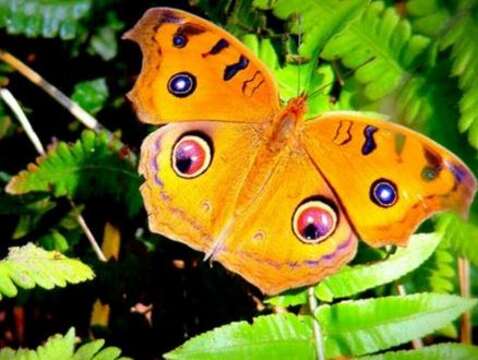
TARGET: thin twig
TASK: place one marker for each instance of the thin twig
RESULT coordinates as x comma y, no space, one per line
7,96
416,343
319,344
13,104
464,276
76,110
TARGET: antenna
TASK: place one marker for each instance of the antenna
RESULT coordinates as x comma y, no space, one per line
341,78
299,42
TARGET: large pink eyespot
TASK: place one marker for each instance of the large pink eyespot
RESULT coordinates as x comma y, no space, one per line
191,156
314,221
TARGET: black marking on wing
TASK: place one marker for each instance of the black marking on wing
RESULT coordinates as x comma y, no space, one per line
166,16
190,29
231,70
434,164
349,134
369,145
217,48
433,158
252,79
399,140
337,131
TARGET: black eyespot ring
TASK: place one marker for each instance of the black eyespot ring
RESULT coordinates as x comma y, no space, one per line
179,41
314,220
192,155
182,84
384,193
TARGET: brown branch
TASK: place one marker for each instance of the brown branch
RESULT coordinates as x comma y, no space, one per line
76,110
465,321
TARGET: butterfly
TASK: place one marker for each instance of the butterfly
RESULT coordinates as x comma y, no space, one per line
274,197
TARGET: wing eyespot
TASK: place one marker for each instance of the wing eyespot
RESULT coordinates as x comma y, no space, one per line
192,155
179,41
314,220
383,193
182,84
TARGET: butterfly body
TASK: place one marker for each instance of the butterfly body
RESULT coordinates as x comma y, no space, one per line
280,199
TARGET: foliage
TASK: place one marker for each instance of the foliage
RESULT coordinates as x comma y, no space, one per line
436,352
43,18
91,95
353,280
31,266
349,328
414,61
63,347
93,164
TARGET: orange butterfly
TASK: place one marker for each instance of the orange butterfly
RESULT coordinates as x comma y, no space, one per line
277,199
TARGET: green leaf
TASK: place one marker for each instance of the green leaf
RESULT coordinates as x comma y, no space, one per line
289,298
45,18
380,47
355,279
95,164
349,329
91,95
464,52
29,266
62,347
279,336
430,17
104,41
239,17
460,235
366,326
435,352
438,274
295,79
333,15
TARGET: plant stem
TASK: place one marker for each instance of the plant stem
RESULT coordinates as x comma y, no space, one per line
319,344
76,110
465,323
13,104
416,343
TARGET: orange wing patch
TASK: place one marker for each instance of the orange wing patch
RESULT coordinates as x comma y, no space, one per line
194,70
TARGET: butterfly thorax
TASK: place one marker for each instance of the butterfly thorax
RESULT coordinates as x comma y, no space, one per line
285,127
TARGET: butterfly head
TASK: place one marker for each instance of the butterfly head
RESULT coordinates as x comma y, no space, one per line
297,107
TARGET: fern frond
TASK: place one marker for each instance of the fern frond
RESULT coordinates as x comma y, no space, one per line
91,95
430,17
332,14
464,52
380,47
46,18
29,266
95,164
460,235
62,347
438,274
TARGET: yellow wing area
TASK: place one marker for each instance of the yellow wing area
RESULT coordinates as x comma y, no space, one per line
230,83
191,210
353,152
261,245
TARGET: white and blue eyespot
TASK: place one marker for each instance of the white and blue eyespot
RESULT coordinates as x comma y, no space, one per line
182,84
384,193
179,41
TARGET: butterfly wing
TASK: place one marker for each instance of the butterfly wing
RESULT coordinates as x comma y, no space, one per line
389,178
190,208
194,70
275,244
245,209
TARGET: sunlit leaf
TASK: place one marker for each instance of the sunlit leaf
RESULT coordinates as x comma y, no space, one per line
30,266
95,164
355,279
